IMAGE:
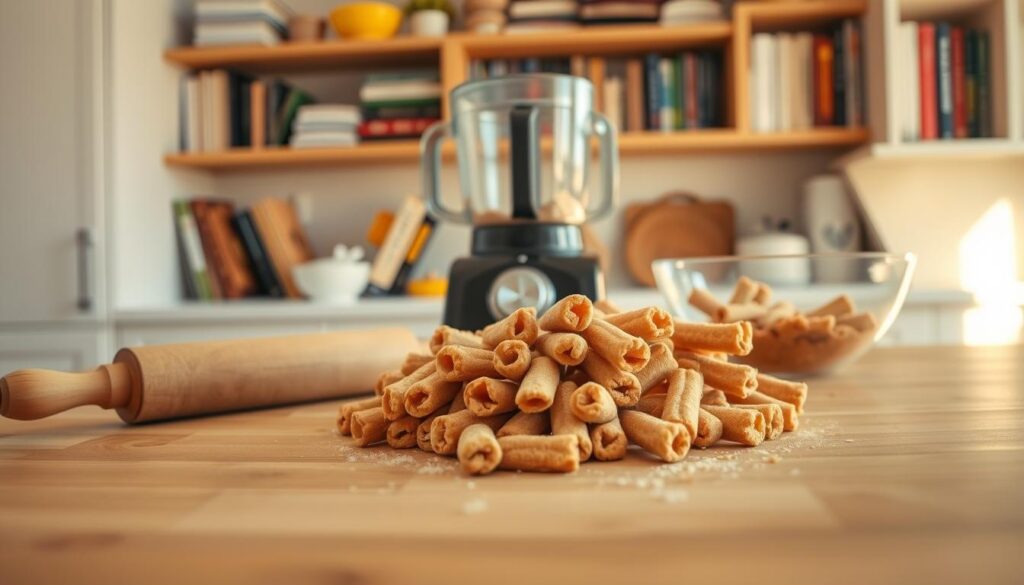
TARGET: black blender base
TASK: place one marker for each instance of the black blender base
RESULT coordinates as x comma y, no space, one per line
469,303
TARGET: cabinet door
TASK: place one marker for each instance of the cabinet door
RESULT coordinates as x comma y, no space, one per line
49,72
76,348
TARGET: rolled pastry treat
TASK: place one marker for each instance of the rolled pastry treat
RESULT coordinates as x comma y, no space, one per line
791,326
714,397
624,351
488,396
790,418
763,295
780,310
556,453
430,394
739,425
658,367
837,307
608,440
568,349
564,422
537,390
414,360
445,335
733,379
652,404
860,321
747,312
670,441
649,323
369,426
401,433
607,307
821,324
423,433
682,400
705,302
709,430
623,386
388,378
572,314
446,429
512,359
479,452
346,410
521,324
393,397
745,291
794,393
659,388
458,403
773,419
526,423
462,364
730,338
592,403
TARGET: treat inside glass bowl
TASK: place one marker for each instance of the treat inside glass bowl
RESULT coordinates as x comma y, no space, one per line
800,328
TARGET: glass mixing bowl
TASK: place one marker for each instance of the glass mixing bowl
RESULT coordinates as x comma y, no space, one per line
793,340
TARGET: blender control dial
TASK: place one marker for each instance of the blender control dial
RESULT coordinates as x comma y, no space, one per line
520,287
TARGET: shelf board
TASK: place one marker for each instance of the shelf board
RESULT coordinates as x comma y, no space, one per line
970,147
596,40
940,9
787,15
397,52
630,143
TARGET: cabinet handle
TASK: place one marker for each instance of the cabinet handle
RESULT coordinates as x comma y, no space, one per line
83,243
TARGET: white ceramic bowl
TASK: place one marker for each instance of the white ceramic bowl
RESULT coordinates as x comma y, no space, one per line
328,281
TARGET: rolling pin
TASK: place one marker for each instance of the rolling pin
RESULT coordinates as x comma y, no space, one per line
186,379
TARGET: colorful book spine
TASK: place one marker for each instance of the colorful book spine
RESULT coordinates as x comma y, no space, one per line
259,261
944,79
653,83
984,86
956,46
971,82
927,81
839,79
668,91
824,96
188,232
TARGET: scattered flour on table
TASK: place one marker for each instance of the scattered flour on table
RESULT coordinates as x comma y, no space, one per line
474,506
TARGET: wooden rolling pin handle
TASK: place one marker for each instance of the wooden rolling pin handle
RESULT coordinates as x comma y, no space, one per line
34,394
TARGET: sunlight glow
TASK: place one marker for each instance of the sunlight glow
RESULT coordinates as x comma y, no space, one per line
988,268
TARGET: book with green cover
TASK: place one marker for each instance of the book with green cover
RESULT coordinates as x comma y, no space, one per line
197,277
295,99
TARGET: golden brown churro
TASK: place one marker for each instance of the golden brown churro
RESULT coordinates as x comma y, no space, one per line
668,440
730,338
478,452
521,324
557,453
571,314
488,396
445,335
564,422
568,349
624,351
649,323
346,410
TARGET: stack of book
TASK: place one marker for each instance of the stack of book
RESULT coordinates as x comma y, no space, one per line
399,105
689,11
619,11
221,109
228,254
526,16
240,22
493,68
945,82
804,80
325,125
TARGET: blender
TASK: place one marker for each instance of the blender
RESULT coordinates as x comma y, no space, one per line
526,212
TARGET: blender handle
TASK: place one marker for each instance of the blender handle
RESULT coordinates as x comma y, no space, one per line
430,154
608,155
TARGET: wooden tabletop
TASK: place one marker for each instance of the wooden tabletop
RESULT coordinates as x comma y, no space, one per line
909,466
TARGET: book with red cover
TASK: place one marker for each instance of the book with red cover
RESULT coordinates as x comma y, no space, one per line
957,47
824,96
928,80
224,253
394,128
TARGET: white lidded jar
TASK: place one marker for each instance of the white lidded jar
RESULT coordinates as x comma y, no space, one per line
832,225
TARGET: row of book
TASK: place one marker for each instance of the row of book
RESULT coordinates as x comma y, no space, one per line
240,22
226,253
656,92
807,79
399,104
945,82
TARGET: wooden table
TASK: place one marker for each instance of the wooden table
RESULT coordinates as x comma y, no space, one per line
909,467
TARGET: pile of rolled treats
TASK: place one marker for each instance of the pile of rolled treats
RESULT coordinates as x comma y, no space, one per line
582,381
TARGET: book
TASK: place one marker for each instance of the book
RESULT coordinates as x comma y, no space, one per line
839,81
689,91
192,116
984,100
400,91
394,128
195,279
619,11
239,109
225,256
971,82
578,65
910,110
258,114
854,70
711,90
542,9
211,34
928,81
271,10
259,262
635,95
285,117
416,249
824,95
944,79
669,91
763,83
957,51
283,238
394,251
784,112
323,139
328,114
802,112
652,74
220,110
595,73
432,110
613,102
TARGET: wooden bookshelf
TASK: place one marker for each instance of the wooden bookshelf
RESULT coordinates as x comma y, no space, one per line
452,54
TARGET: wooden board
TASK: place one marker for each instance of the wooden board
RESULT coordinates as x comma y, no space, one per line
908,469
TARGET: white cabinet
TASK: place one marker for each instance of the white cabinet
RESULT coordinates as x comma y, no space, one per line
50,147
67,346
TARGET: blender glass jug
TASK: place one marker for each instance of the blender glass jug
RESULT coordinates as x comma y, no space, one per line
517,114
